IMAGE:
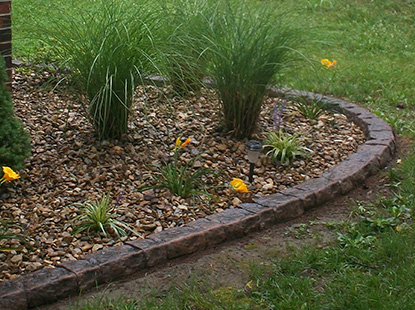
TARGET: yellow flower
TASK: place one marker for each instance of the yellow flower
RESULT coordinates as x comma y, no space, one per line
185,142
239,185
179,144
328,64
9,175
398,228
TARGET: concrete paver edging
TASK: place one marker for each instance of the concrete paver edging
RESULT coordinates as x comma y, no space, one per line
49,285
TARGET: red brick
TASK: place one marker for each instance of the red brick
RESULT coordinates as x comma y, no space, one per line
5,7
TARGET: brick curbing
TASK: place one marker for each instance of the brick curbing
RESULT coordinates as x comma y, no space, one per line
6,36
51,284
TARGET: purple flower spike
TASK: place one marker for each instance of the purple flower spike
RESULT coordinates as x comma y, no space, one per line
119,198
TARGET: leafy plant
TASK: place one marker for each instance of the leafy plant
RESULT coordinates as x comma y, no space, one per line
98,217
182,179
14,141
183,50
109,49
283,147
249,45
311,109
6,234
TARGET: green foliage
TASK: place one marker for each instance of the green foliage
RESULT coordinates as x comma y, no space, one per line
109,49
283,146
402,122
371,265
182,179
406,170
311,109
182,49
6,233
14,141
249,46
98,217
195,295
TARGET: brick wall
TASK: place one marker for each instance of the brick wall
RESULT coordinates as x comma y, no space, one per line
6,34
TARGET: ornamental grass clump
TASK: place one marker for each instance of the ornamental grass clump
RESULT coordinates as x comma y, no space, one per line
249,47
109,48
183,50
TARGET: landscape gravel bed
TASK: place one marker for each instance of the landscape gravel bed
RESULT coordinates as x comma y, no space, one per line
68,165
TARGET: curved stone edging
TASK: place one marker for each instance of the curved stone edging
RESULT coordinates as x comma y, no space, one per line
49,285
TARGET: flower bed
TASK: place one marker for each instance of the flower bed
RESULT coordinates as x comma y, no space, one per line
69,165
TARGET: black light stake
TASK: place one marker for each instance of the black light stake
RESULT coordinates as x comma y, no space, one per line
253,148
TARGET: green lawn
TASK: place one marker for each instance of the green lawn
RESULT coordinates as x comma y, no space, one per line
371,265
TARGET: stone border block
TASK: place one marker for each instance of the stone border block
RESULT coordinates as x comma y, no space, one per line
155,253
88,274
214,232
323,189
237,222
266,216
383,138
346,174
366,161
286,207
308,198
382,152
179,241
49,285
339,104
13,295
117,262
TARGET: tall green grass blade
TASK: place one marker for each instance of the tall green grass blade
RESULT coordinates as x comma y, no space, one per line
109,49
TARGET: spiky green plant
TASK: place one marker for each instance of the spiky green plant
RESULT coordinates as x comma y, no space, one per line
283,146
109,49
180,50
180,178
249,45
99,217
6,234
184,60
312,108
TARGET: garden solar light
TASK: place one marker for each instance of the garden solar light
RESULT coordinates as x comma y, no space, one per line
253,148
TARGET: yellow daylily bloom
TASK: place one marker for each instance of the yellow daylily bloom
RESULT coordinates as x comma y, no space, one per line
239,185
9,175
178,142
185,142
328,64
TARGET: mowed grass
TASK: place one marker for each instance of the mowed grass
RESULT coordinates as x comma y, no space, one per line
370,265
